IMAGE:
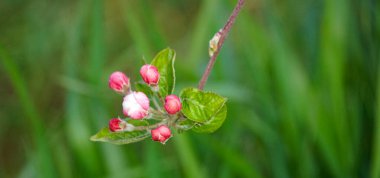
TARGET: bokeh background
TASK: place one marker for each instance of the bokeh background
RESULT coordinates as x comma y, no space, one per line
302,78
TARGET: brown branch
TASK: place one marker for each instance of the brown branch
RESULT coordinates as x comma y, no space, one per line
223,33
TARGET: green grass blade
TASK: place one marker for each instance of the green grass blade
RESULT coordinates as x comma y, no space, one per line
44,162
375,167
190,164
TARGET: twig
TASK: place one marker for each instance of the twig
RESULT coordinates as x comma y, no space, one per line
223,33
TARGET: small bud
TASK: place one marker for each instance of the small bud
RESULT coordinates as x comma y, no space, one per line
161,134
213,44
117,124
149,74
119,82
172,104
136,105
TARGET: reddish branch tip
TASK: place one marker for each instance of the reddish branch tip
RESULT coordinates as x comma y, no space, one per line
215,50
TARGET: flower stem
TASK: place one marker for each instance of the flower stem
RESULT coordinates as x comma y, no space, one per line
149,127
158,107
223,33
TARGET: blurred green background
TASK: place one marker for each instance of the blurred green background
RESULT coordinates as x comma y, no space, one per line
302,78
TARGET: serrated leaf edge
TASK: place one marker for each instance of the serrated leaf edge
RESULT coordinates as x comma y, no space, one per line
174,77
209,121
121,141
207,92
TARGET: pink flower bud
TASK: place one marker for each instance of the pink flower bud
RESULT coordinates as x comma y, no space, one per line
161,134
149,74
119,82
172,104
117,124
136,105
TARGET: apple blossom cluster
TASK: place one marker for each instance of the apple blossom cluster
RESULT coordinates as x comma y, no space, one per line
153,110
137,106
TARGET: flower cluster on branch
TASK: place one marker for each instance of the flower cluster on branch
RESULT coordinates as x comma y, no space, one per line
136,104
194,109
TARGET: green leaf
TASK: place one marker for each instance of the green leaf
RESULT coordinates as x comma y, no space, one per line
200,106
164,61
214,123
184,125
120,138
144,88
207,109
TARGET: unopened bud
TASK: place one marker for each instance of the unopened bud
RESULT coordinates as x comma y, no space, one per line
119,82
136,105
172,104
161,134
117,124
213,44
149,74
